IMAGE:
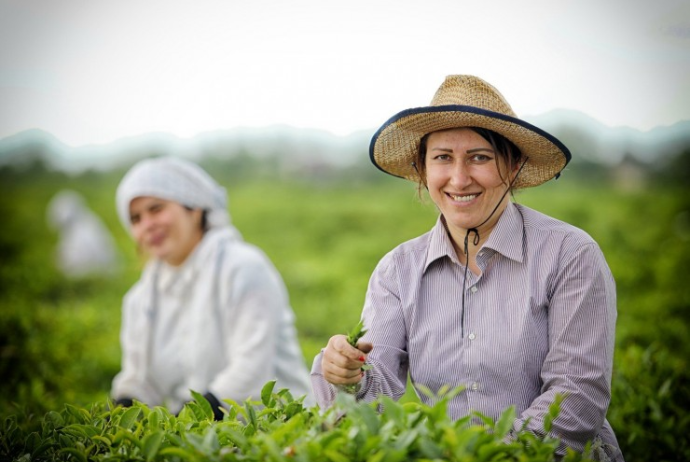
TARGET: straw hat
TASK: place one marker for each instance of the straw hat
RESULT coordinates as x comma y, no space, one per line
466,101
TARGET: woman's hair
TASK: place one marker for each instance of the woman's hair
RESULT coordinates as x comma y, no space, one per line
204,218
504,148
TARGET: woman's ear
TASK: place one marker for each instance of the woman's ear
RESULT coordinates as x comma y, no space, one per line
511,169
198,217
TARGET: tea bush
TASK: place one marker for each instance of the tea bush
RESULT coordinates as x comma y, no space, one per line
278,428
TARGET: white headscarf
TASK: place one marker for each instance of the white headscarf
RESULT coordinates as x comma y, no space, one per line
178,180
65,208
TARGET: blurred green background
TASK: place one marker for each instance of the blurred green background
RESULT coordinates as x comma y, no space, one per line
325,233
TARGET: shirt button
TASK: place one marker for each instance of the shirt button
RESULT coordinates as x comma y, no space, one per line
473,289
472,336
475,386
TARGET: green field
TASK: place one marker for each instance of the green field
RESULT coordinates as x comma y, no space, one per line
59,338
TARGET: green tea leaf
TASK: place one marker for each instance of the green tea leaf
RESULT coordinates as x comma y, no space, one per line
74,452
430,448
55,419
370,418
40,450
356,333
251,415
86,431
171,452
236,438
211,443
554,410
80,415
32,441
267,393
392,410
129,417
505,422
334,456
153,421
353,338
203,405
194,412
151,444
102,439
406,439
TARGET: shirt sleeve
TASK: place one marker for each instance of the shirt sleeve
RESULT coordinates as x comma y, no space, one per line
383,319
130,382
582,316
324,392
252,307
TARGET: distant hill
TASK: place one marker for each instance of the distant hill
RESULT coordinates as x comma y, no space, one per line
589,139
295,148
287,144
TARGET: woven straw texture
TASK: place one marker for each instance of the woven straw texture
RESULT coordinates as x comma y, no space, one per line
466,101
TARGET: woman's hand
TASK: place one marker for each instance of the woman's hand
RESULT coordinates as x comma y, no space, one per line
342,363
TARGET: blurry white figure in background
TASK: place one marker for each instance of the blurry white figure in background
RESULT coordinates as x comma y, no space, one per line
85,246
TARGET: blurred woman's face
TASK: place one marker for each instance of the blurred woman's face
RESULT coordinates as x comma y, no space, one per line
165,229
462,174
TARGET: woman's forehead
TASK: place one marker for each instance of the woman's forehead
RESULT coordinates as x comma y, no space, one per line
147,201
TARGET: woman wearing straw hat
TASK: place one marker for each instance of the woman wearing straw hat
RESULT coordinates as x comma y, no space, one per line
210,312
512,305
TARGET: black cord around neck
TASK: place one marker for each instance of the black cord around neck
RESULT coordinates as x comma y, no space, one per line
476,241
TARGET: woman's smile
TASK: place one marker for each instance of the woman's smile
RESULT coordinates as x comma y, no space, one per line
462,198
156,240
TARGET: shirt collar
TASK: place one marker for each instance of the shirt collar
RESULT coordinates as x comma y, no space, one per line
440,244
505,238
176,279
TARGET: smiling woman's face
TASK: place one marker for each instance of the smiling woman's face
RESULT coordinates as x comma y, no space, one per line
464,181
165,229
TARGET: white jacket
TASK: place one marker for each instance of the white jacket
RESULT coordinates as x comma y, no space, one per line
220,323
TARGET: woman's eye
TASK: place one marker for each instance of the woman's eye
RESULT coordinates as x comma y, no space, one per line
442,157
134,219
480,158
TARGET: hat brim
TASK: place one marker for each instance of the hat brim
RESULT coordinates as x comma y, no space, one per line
395,146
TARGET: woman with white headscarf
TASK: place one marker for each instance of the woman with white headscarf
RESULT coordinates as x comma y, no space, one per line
85,247
210,312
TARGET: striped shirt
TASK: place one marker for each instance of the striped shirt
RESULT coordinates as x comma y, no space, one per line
539,320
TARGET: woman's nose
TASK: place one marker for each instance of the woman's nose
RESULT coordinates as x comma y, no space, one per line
460,175
145,221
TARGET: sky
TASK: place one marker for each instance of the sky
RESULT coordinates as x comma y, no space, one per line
95,71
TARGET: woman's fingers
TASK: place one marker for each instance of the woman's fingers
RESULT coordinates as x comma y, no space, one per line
364,347
341,362
339,376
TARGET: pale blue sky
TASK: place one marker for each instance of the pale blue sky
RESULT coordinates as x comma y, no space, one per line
93,71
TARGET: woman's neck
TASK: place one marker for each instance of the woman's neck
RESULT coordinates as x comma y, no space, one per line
470,241
469,258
